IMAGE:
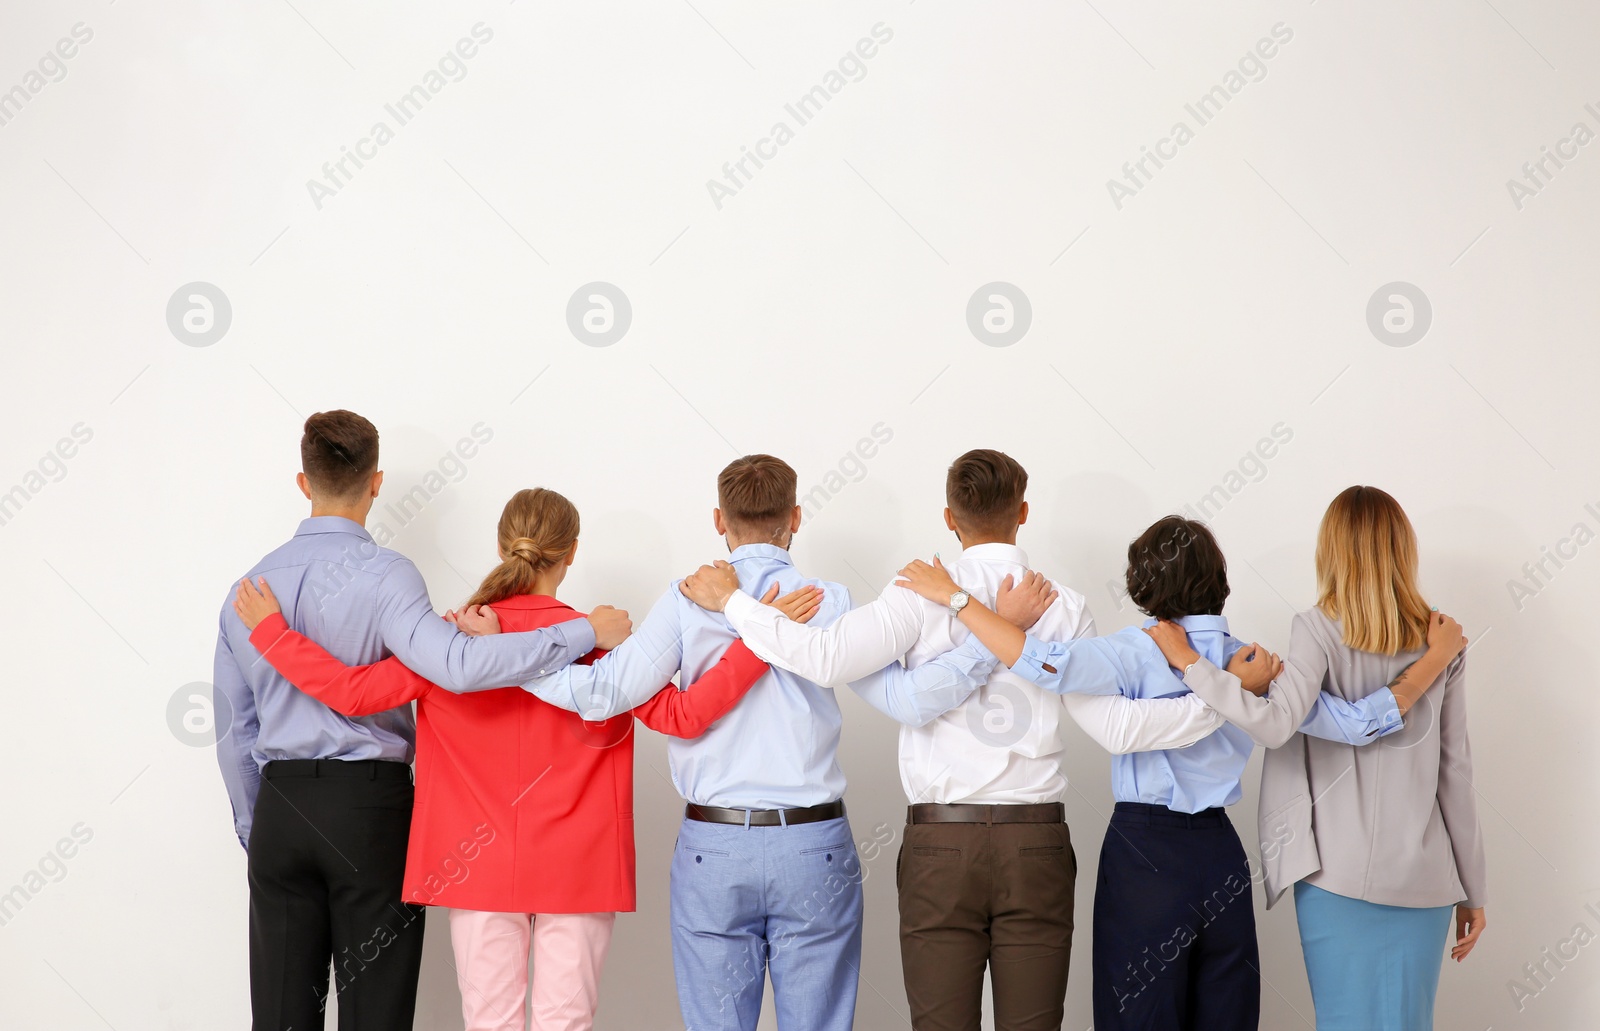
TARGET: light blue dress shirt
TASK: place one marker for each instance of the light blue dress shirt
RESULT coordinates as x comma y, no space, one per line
362,603
1206,773
777,748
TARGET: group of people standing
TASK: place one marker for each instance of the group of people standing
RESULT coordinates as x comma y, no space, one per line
520,817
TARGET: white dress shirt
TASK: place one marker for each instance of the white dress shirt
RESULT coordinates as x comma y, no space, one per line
1003,744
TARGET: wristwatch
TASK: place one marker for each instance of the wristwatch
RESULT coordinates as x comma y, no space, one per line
958,601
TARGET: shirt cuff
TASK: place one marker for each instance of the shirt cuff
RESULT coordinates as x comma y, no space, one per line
1383,711
1030,665
579,634
267,632
738,608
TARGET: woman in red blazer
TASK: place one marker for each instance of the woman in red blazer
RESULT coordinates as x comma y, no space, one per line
523,822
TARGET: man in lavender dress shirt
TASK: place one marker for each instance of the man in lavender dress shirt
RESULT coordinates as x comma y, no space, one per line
322,802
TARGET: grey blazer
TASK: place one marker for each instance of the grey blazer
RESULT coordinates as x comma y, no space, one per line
1393,822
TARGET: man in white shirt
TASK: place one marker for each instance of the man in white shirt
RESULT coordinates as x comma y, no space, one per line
986,869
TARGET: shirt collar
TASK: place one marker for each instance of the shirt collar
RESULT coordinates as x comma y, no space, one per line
1198,624
331,524
994,551
770,552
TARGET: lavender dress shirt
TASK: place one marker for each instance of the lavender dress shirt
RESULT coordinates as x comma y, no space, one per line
362,603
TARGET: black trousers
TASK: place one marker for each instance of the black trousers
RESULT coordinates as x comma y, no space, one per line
1174,925
327,857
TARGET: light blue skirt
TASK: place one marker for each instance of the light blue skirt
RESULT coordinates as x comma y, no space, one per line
1372,967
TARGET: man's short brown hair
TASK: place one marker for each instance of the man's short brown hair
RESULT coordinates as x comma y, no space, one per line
984,490
1176,569
339,453
757,493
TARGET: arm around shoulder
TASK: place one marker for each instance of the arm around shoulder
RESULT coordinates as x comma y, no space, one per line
860,642
351,690
625,677
1122,725
1272,718
459,662
917,697
692,711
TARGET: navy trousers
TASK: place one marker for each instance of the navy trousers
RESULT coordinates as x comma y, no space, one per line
1174,925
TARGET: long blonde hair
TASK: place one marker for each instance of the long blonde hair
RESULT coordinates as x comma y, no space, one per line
1367,572
538,529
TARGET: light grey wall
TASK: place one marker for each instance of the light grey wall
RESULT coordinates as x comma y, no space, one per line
1173,326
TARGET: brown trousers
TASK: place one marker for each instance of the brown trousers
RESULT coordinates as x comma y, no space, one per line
974,896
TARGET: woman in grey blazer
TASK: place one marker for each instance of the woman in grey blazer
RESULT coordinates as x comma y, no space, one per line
1380,843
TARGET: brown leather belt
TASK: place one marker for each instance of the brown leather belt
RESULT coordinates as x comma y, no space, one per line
1046,812
766,817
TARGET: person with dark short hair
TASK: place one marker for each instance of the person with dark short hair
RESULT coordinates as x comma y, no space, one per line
322,802
1174,921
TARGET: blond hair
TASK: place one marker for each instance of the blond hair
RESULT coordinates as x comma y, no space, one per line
1367,573
537,529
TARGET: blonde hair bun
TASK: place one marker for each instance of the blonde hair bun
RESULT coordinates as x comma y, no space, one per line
527,549
538,529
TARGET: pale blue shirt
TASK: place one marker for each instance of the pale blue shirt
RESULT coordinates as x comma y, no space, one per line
776,749
362,603
1206,773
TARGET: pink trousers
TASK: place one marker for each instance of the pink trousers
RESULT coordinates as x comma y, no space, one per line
492,952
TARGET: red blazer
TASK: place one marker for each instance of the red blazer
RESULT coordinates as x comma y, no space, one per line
521,806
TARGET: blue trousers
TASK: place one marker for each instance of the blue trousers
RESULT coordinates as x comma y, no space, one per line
1174,925
1372,967
749,901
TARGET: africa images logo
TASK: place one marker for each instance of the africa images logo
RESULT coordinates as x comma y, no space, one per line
851,67
1252,67
452,67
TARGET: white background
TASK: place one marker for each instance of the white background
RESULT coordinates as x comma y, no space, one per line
828,295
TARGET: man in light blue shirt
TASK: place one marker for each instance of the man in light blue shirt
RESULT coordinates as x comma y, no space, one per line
765,877
322,801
